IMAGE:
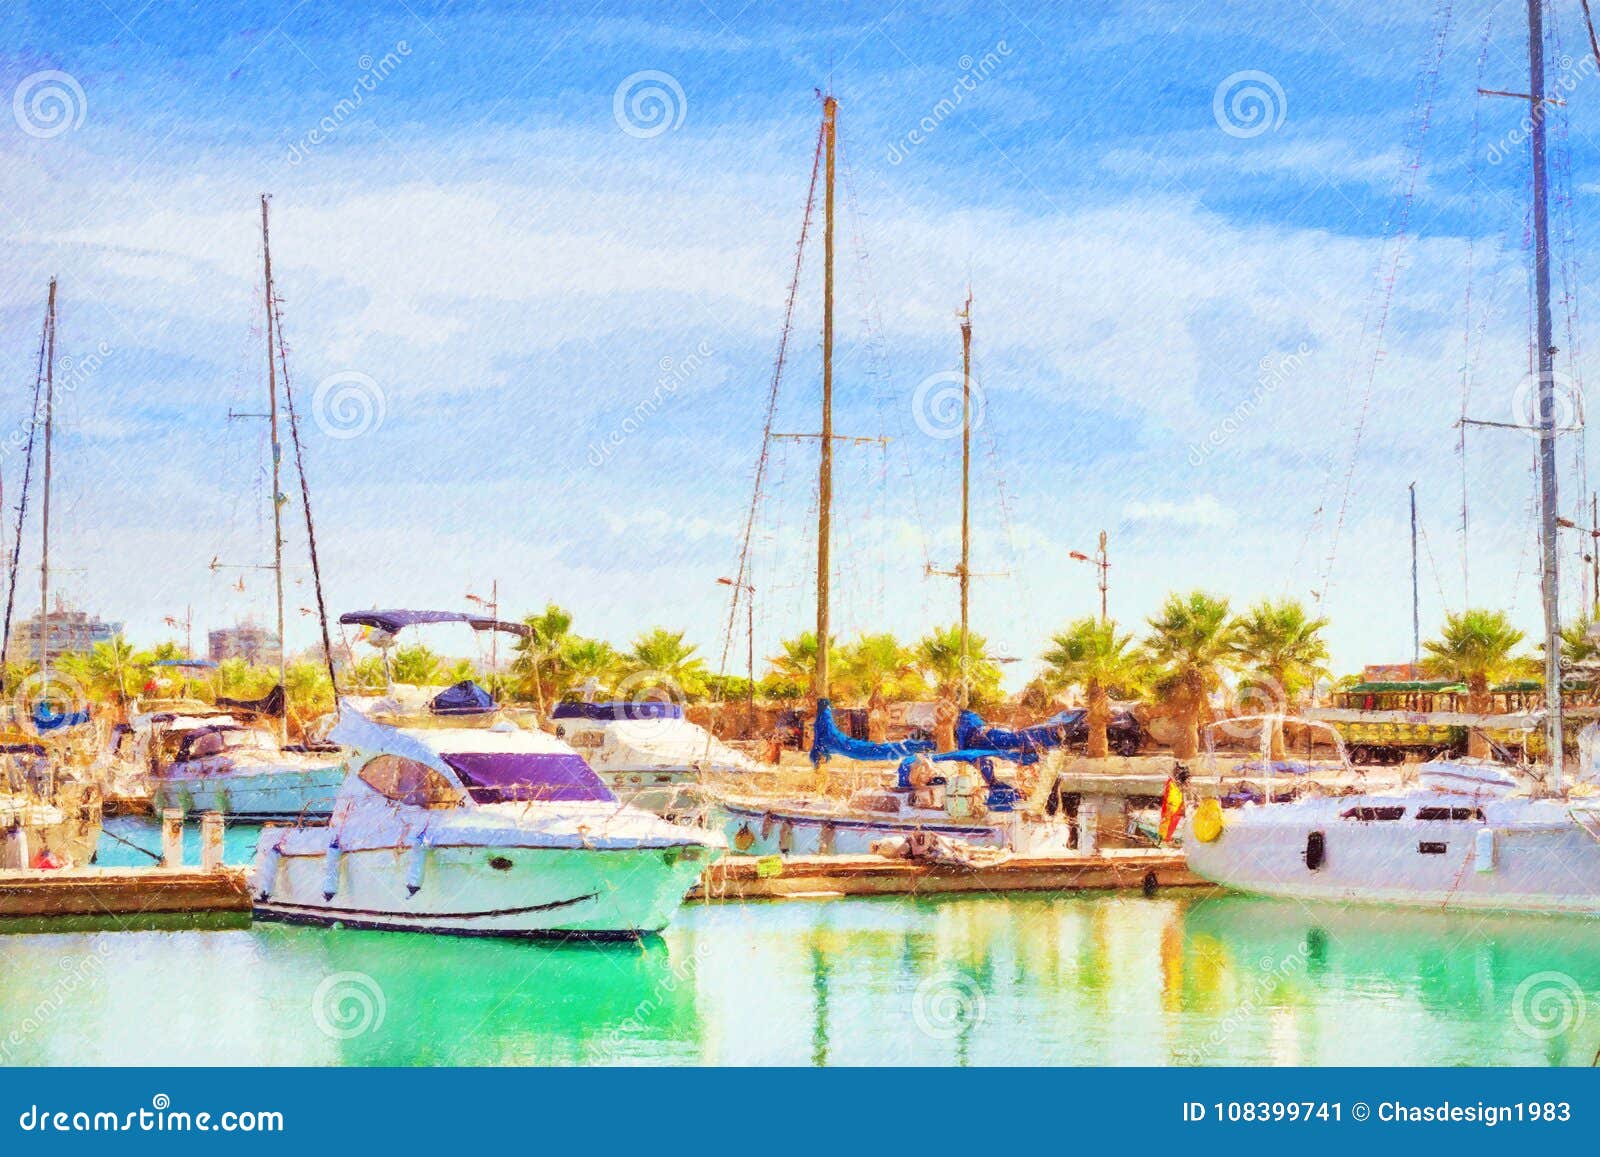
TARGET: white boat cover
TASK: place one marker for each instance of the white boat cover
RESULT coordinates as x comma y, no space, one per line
1480,778
646,744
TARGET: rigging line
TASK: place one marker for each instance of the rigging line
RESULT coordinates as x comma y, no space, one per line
1427,88
305,502
22,501
876,344
1467,356
741,579
1427,548
876,327
1588,22
1568,264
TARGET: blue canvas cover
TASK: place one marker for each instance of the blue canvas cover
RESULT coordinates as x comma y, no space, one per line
1057,731
47,718
463,698
828,741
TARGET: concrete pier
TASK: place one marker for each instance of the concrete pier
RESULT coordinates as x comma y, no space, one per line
818,877
122,891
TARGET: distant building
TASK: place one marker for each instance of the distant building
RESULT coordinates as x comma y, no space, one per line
245,641
64,630
1390,673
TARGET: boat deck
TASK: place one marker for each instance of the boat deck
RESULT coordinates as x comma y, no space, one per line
819,877
122,891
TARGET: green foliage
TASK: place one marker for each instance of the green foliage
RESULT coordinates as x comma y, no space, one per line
1477,647
660,658
1092,653
794,668
1280,644
877,668
939,659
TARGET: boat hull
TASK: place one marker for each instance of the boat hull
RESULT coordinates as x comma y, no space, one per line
667,792
246,794
1549,864
753,831
484,891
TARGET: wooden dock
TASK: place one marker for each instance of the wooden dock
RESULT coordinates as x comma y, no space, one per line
122,892
820,877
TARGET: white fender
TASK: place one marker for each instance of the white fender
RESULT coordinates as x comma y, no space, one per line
330,873
267,862
416,865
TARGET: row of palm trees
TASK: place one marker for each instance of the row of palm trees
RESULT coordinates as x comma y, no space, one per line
1274,651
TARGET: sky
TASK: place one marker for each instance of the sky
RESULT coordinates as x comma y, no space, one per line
1237,270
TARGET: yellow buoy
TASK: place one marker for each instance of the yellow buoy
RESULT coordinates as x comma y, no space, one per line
1208,821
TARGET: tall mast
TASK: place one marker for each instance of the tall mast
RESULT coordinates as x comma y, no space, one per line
1550,587
964,572
830,108
44,540
1416,605
277,466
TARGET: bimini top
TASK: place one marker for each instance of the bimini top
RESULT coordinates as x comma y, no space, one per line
394,621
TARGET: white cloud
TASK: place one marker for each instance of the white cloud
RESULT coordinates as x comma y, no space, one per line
1201,511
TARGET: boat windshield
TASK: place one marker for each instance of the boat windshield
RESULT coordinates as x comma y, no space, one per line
516,777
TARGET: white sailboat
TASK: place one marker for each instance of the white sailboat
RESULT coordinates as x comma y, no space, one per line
242,764
455,818
1470,834
961,799
51,807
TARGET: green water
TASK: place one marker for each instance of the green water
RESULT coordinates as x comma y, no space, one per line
1087,978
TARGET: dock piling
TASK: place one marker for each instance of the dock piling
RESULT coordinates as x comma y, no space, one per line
172,838
211,841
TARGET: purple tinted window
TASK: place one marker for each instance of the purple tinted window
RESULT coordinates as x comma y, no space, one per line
514,777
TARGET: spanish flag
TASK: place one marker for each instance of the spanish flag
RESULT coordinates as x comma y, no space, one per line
1171,810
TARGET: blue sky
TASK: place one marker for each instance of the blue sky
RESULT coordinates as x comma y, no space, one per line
1180,223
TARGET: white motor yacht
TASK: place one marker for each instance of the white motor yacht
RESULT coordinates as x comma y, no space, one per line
453,818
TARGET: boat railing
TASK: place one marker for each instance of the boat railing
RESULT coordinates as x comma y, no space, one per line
1268,725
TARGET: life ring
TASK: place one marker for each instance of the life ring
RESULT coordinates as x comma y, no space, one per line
1208,821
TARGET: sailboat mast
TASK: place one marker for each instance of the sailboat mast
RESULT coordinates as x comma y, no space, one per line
1416,602
1550,587
964,574
830,109
277,467
44,540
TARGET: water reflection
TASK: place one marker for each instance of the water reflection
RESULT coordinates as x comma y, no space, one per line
1056,979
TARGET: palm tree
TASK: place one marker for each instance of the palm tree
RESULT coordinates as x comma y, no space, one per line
877,668
1094,654
1190,644
1282,648
1477,647
591,659
793,672
939,657
661,658
538,661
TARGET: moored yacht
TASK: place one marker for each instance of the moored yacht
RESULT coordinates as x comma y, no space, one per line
650,755
454,818
1470,834
1467,835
